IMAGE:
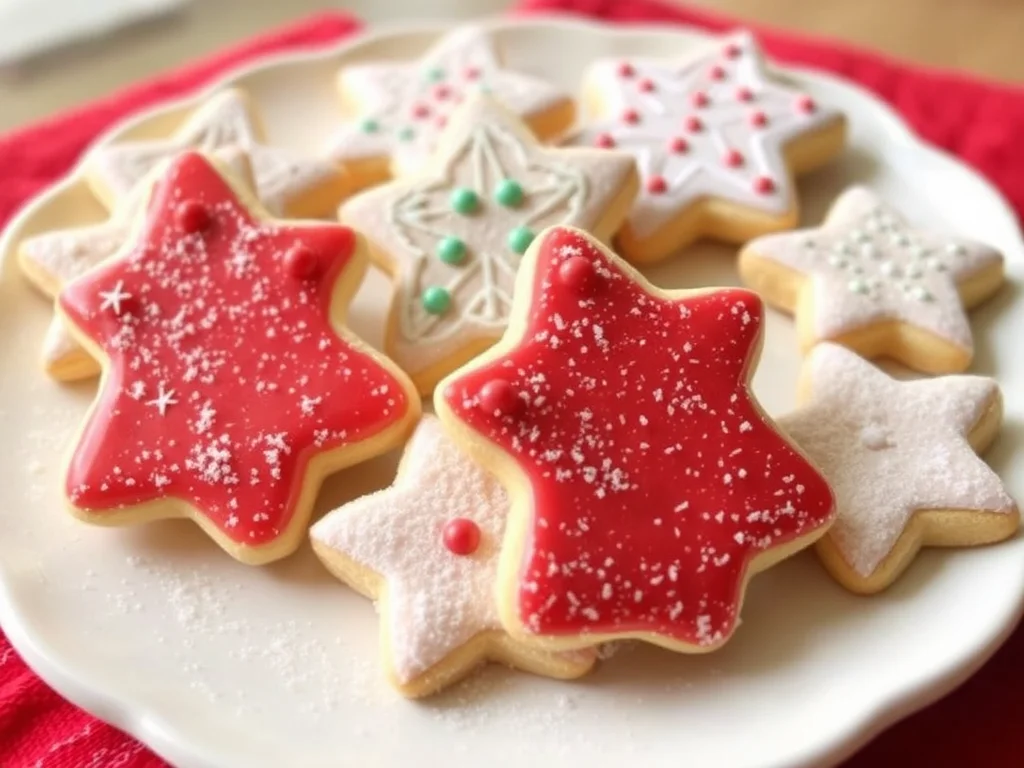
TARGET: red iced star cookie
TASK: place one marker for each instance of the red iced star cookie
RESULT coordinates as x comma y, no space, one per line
229,389
647,483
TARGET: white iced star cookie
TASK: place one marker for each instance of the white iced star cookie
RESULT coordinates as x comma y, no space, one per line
54,258
427,550
867,280
452,237
288,183
902,459
400,109
717,139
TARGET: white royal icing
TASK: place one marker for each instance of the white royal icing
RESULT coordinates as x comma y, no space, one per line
408,219
868,265
223,121
404,107
728,91
889,448
438,601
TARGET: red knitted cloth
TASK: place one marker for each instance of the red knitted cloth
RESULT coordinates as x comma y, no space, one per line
978,725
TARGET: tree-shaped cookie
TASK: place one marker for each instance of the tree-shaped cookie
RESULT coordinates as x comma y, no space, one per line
230,388
717,138
453,236
401,108
647,484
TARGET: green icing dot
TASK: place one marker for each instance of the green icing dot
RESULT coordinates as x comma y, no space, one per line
464,200
451,250
406,134
435,75
519,239
436,300
509,193
370,126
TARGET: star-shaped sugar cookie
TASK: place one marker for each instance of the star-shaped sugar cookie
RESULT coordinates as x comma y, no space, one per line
717,139
52,259
288,183
902,459
403,107
453,236
427,550
647,484
230,388
868,280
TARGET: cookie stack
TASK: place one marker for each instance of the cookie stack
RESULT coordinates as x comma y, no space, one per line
598,468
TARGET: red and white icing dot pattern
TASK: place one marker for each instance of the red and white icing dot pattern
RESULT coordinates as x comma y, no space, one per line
715,125
225,374
654,477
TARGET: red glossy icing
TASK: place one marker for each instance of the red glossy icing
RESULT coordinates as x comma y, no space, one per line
654,477
461,536
237,354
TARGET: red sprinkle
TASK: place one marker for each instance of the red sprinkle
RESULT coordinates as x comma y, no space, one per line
758,119
699,99
420,111
678,144
499,398
604,141
657,185
733,158
471,73
577,273
764,185
441,121
302,262
646,85
442,91
626,69
805,104
743,93
461,536
717,72
192,216
631,116
693,124
732,51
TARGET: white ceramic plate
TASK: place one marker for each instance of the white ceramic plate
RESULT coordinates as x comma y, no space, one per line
213,663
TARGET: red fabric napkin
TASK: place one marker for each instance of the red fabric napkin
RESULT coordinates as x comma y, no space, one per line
982,123
977,725
37,727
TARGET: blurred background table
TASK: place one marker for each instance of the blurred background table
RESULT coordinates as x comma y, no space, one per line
976,36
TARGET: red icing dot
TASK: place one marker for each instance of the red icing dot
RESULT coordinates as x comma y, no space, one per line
646,85
805,104
441,121
733,158
604,140
764,185
471,73
758,119
192,216
577,273
699,99
678,144
732,51
693,124
461,536
631,116
442,91
626,69
743,93
717,72
420,111
499,398
657,185
302,262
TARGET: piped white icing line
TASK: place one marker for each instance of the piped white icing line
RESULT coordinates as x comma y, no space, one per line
437,600
868,265
407,219
221,122
712,125
405,106
889,448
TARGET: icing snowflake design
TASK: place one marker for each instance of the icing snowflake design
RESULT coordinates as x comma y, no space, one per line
433,538
867,265
223,121
404,107
891,448
715,127
651,480
216,328
457,234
